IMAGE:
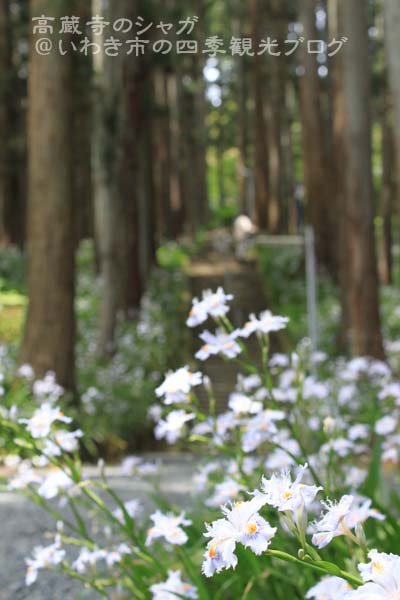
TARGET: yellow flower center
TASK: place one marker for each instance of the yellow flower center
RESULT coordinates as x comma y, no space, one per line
251,528
287,495
378,567
212,551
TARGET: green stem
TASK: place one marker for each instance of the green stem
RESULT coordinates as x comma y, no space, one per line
324,567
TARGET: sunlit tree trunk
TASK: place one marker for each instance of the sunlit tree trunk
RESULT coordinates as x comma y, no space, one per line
361,291
49,335
115,160
105,221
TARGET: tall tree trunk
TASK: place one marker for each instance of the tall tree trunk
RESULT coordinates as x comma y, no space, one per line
360,254
338,168
201,182
126,175
219,152
243,138
12,159
175,180
392,39
146,194
50,326
82,132
288,158
261,158
115,160
240,28
388,195
276,116
4,66
105,222
319,202
193,149
161,153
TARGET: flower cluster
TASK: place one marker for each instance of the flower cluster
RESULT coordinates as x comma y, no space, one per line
290,469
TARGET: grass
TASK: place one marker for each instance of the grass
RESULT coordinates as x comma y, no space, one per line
12,316
11,324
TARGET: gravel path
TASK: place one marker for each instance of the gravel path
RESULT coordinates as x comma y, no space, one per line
24,525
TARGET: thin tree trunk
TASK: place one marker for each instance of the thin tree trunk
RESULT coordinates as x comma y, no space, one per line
240,28
200,123
219,150
115,177
4,65
12,160
125,176
392,39
193,152
82,132
388,195
175,180
162,155
288,159
338,170
49,335
364,334
320,203
276,115
243,137
261,158
102,187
